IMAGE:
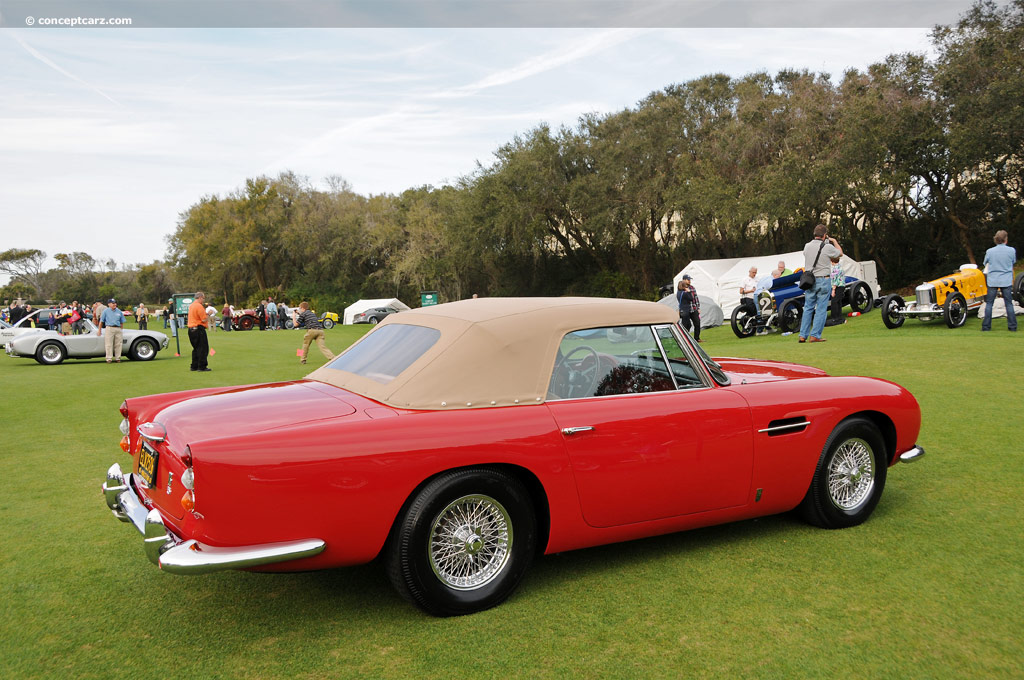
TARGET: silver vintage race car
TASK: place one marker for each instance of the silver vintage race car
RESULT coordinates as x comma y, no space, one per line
50,347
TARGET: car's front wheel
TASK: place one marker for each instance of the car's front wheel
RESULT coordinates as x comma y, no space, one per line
50,353
1018,289
892,311
144,349
743,322
955,310
463,542
850,476
328,324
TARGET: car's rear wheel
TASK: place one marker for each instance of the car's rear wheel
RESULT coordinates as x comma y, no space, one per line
463,542
861,298
892,308
289,324
50,353
954,310
849,478
144,349
743,322
245,323
328,324
374,320
791,315
1018,289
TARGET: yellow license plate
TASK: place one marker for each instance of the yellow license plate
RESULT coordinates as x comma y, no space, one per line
147,464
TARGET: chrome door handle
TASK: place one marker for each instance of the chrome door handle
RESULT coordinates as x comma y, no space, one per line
569,431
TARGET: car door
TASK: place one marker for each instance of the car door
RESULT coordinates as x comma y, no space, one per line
86,344
661,442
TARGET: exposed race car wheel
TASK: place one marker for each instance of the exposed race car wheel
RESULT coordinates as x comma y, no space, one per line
743,322
849,478
1018,289
463,542
892,306
861,298
143,349
50,353
328,324
791,315
954,310
245,323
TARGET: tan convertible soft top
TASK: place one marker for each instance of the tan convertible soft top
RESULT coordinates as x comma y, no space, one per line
492,351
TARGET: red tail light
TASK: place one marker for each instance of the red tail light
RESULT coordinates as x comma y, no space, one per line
124,408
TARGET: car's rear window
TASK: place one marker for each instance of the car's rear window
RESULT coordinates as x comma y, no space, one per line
386,352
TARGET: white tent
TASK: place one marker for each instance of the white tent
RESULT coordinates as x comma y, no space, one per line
363,305
720,279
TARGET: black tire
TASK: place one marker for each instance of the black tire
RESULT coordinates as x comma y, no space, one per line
289,324
954,310
143,349
744,324
245,323
328,324
849,478
51,353
791,315
861,297
479,565
892,305
374,320
1018,289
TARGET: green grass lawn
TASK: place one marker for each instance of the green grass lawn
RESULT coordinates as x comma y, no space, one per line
930,587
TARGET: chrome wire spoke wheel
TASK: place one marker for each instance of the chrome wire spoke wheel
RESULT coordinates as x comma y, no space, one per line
851,475
470,542
51,352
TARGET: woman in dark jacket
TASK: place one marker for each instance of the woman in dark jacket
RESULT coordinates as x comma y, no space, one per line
689,307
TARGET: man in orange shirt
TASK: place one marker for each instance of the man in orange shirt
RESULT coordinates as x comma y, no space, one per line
197,324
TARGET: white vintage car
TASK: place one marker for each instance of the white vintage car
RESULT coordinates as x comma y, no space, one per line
50,347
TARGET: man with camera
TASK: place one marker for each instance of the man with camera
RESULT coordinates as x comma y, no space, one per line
817,254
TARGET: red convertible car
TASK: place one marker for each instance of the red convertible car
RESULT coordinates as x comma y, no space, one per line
458,441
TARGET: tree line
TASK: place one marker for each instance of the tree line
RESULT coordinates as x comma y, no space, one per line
913,162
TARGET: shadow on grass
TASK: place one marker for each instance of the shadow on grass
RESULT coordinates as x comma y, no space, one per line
364,594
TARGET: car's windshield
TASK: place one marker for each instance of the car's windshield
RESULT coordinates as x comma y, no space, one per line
716,371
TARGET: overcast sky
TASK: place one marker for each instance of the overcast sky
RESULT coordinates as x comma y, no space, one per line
107,135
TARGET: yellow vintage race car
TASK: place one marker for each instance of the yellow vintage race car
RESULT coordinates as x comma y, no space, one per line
950,297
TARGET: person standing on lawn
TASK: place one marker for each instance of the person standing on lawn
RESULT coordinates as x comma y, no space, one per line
197,324
818,253
112,321
314,332
689,307
999,260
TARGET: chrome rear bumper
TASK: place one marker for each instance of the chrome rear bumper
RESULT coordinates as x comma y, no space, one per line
172,554
913,454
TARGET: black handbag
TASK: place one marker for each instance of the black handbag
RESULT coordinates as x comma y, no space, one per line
807,277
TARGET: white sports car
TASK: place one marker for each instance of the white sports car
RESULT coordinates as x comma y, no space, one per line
50,347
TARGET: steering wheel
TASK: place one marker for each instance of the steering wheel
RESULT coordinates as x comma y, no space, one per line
580,382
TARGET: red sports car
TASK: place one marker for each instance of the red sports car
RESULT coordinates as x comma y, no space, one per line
460,440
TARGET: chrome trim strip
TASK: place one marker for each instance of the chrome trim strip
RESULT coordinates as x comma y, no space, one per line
783,428
912,455
192,557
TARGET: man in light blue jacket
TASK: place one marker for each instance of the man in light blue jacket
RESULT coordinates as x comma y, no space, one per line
999,261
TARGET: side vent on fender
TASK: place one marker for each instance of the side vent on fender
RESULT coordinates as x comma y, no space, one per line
786,426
